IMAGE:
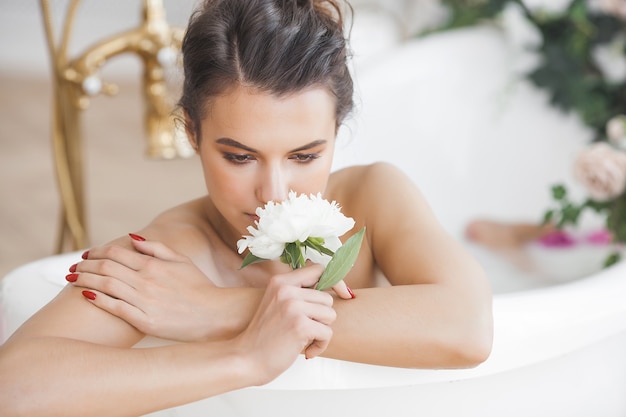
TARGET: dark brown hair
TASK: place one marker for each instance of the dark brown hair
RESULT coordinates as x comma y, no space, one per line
276,46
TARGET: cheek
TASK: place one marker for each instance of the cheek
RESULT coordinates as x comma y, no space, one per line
311,181
223,181
217,176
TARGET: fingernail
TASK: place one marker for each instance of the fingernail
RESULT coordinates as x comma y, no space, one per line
71,277
89,294
73,268
85,255
136,237
351,293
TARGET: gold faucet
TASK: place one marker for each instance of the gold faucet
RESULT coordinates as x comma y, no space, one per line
75,81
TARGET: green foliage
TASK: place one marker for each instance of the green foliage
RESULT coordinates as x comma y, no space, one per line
567,71
568,212
573,81
470,12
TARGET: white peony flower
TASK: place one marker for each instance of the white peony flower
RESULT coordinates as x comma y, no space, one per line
300,228
296,220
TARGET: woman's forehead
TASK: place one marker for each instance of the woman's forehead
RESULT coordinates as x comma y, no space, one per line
246,113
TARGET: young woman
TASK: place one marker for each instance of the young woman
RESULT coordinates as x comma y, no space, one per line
266,88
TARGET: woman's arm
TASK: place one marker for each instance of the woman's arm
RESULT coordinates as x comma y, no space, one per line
73,359
437,313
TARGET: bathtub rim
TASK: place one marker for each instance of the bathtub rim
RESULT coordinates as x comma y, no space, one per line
564,318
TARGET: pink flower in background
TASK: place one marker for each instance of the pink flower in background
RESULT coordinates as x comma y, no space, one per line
557,239
602,170
563,239
616,8
599,237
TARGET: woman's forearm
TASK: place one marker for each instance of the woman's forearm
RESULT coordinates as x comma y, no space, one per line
409,326
56,376
414,326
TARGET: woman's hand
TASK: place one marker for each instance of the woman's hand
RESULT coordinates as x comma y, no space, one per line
162,293
291,319
157,290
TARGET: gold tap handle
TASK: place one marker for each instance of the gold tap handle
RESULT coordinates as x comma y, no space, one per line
75,81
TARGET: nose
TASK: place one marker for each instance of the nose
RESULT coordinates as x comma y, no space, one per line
273,184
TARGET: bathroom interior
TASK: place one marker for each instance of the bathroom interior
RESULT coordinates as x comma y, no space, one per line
483,140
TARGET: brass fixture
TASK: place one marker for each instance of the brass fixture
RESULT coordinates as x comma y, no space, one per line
76,81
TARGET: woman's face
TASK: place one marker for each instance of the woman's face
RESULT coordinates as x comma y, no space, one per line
256,147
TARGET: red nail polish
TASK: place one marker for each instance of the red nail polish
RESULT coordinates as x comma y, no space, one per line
89,294
73,268
85,255
351,293
71,277
136,237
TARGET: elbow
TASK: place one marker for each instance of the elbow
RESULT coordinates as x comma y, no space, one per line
474,352
473,343
474,328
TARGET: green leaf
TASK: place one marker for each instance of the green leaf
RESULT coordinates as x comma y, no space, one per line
317,244
548,216
559,192
251,259
612,259
342,262
292,255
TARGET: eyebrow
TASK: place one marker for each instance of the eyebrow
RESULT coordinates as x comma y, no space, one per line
235,144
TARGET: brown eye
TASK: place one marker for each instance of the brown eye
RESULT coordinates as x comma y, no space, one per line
304,157
238,158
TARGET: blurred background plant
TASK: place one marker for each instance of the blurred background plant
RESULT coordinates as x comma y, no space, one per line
581,64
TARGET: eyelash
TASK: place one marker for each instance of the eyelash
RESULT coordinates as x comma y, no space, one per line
305,158
242,159
238,158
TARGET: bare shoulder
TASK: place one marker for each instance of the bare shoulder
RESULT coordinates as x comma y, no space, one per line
184,228
375,174
366,187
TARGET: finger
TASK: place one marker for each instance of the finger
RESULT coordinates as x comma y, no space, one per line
320,342
127,257
342,290
305,277
109,285
116,307
103,270
157,250
321,313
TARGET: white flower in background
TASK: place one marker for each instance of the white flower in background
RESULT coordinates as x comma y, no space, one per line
610,59
547,7
602,170
523,37
616,131
301,228
295,220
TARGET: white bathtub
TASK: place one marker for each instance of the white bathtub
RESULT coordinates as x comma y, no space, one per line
447,111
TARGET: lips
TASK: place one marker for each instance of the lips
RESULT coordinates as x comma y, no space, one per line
253,217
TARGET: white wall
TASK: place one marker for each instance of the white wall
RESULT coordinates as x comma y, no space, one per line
23,47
